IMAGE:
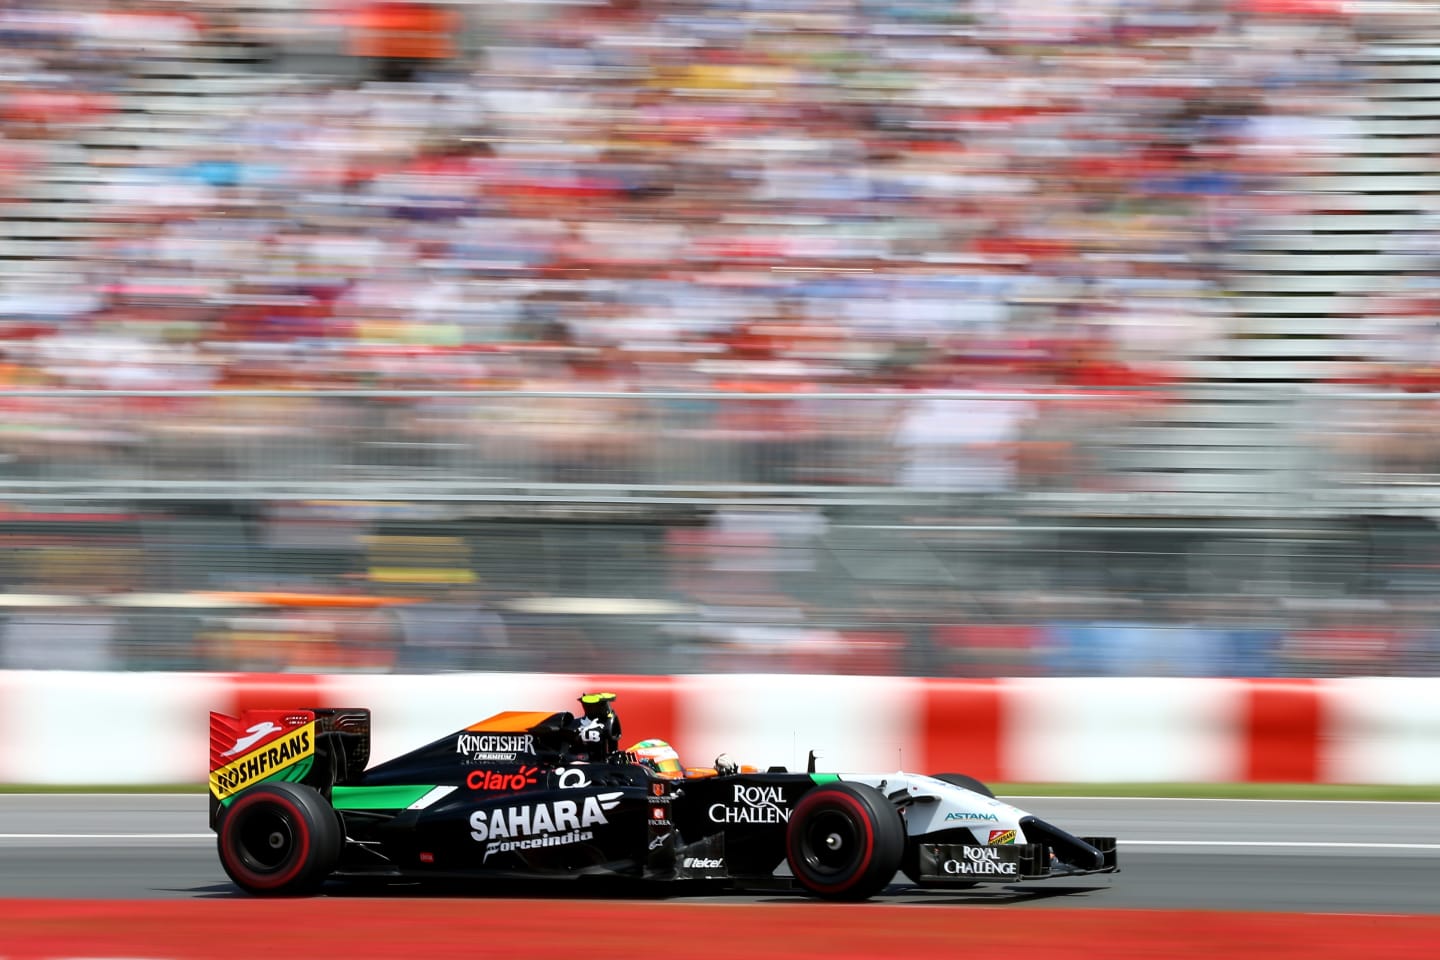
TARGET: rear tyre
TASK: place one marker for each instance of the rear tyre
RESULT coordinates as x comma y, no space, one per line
844,841
279,839
965,782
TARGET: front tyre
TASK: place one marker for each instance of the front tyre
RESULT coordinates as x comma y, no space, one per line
966,782
279,839
844,841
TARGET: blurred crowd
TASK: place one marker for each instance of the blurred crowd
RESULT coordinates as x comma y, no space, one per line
636,193
737,196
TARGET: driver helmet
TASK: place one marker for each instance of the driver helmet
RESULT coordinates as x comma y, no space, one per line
659,757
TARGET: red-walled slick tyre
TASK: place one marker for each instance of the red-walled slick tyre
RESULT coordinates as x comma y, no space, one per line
279,839
844,841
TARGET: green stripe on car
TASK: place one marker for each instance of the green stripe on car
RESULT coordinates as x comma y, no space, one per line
393,797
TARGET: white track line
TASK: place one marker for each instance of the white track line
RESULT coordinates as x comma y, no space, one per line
48,795
200,796
1313,844
106,836
1411,803
1306,844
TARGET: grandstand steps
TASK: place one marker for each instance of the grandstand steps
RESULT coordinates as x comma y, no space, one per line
22,250
1245,371
1356,242
172,71
1363,224
1262,305
1316,281
1371,182
1228,409
1344,202
1296,328
178,96
1307,259
16,229
1323,225
1375,125
1306,347
1179,434
1350,151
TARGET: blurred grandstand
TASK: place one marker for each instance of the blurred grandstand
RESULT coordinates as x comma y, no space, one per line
912,336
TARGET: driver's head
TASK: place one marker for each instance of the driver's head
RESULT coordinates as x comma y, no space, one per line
659,757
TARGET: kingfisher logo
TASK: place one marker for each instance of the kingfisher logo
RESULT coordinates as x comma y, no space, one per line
480,747
269,759
532,826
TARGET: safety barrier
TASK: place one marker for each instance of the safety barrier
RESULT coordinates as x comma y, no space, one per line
60,727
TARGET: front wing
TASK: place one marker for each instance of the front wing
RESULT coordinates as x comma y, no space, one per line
979,863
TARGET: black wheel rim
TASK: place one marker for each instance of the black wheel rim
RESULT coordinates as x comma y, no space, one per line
265,840
830,842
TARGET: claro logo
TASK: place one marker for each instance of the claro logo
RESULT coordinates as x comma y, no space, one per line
752,804
534,825
493,781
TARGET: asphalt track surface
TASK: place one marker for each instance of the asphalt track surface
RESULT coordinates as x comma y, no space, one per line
1342,857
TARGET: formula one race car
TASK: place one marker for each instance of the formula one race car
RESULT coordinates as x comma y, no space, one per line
543,794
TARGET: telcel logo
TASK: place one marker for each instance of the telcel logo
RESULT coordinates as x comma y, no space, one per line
703,863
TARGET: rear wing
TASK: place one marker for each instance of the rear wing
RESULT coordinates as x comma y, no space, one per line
320,747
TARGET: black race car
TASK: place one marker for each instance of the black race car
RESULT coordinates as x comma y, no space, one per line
550,794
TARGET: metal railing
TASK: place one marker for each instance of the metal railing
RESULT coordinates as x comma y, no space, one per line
1226,450
361,587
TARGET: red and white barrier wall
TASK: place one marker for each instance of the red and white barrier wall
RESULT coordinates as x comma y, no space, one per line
151,728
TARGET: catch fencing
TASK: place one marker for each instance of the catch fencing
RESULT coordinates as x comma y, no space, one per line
1195,451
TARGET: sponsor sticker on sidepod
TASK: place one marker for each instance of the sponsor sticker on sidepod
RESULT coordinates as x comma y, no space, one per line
752,804
531,826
